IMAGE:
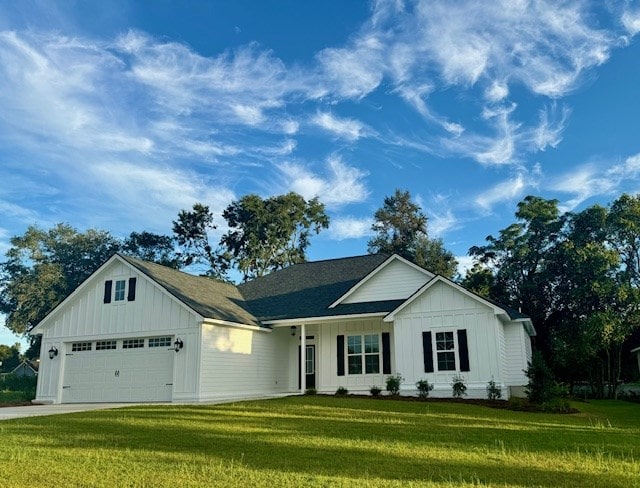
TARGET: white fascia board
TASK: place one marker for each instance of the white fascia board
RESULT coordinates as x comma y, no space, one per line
441,279
386,263
308,320
237,325
528,326
75,292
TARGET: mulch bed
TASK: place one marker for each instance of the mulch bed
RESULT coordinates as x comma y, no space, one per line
523,406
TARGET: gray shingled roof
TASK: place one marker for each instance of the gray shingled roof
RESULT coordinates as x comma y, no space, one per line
211,298
299,291
307,289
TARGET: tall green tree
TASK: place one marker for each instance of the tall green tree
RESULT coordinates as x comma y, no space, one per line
576,275
191,231
152,247
517,257
9,357
44,266
397,225
400,227
269,234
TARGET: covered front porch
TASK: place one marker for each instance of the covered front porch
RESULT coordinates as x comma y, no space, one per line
352,352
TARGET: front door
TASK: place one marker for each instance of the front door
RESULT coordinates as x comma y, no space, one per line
309,366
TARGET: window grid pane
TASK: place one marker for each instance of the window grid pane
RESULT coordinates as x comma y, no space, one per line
160,342
355,364
372,363
354,345
105,345
81,346
371,344
446,361
132,343
119,293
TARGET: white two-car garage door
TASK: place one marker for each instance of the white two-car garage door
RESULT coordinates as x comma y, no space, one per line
122,370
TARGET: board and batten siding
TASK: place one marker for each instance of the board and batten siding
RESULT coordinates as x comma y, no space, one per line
325,338
240,362
396,281
443,308
84,317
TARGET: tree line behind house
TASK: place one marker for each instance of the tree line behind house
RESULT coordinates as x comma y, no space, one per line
576,274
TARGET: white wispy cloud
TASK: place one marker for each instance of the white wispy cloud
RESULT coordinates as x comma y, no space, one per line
631,21
346,128
590,180
347,227
340,185
505,191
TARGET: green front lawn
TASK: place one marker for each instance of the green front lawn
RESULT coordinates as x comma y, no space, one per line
325,441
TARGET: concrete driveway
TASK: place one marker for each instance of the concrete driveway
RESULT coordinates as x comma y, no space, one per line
8,413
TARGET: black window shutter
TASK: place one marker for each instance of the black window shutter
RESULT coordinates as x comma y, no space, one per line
299,358
427,351
107,291
386,354
463,350
131,296
340,355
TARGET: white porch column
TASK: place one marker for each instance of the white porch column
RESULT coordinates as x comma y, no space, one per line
303,358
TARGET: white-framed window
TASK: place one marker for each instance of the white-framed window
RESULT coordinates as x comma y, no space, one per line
363,350
80,346
105,345
132,343
160,342
445,351
121,286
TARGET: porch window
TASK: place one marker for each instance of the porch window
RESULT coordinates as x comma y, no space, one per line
446,351
369,354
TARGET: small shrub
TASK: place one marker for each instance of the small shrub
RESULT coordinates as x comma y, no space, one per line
558,405
375,390
424,387
393,384
494,392
458,386
342,391
310,391
541,388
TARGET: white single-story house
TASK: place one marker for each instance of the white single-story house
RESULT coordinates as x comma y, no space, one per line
136,331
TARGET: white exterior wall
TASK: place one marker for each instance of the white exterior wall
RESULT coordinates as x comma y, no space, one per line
443,308
84,317
325,339
518,346
237,362
396,281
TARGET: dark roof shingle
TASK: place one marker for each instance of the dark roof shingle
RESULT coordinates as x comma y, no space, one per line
307,289
211,298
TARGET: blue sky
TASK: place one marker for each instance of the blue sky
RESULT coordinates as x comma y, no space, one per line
117,114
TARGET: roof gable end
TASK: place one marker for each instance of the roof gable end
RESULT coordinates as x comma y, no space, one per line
413,277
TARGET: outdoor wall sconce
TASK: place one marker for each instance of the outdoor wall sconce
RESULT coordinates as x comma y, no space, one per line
293,330
53,352
178,344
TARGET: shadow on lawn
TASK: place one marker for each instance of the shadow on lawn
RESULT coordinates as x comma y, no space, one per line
340,442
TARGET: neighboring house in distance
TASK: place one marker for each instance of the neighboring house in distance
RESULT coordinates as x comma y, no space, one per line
139,332
26,368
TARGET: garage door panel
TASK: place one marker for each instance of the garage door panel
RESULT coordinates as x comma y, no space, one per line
120,375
